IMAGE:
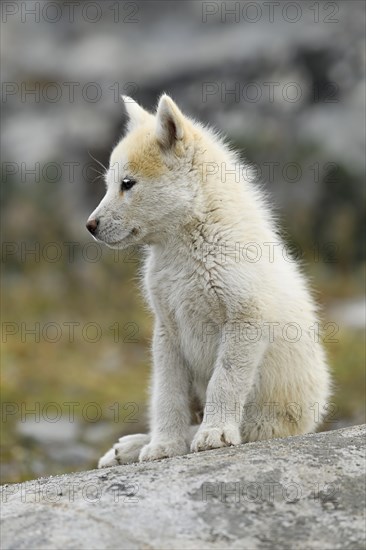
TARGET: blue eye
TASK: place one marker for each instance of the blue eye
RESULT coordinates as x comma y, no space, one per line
127,183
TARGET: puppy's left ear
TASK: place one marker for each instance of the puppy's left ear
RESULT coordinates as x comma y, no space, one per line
136,114
170,123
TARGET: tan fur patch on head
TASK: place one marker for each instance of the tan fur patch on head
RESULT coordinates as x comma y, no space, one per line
144,154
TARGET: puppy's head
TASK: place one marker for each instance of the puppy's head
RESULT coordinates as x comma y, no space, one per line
150,187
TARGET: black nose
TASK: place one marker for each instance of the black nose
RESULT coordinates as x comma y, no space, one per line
92,226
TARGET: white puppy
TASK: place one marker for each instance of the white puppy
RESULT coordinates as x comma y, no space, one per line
235,342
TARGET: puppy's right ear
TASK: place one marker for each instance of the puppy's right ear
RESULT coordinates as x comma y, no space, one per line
136,114
170,122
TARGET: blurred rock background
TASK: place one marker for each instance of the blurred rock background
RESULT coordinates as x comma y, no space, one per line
285,81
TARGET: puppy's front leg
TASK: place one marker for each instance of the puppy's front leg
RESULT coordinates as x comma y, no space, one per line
170,413
228,389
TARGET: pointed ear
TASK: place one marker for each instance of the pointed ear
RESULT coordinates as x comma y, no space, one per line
169,122
136,114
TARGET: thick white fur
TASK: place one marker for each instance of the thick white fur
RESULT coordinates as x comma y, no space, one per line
234,320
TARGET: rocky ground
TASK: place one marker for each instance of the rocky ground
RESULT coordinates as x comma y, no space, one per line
305,492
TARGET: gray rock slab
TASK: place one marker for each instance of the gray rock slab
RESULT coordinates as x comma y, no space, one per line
303,492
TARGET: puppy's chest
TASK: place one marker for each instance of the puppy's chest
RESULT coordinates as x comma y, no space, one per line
184,300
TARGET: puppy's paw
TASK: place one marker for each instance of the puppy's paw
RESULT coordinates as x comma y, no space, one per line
213,438
126,451
163,449
108,460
